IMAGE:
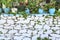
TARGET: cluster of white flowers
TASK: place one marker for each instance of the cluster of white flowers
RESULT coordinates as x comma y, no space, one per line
19,28
14,10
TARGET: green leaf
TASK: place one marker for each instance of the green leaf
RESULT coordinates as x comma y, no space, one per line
38,38
1,32
46,38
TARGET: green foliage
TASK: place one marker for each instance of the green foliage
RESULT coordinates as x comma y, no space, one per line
46,38
13,13
53,31
38,21
54,16
52,4
46,7
32,6
45,30
24,14
21,8
46,16
7,3
34,10
20,0
1,32
58,13
0,4
38,38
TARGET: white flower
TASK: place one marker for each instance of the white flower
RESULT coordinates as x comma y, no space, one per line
58,10
2,21
3,6
14,10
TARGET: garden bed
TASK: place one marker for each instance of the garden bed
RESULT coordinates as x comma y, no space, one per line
31,28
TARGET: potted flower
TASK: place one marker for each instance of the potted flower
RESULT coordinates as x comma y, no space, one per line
29,7
21,6
52,8
41,9
27,11
0,7
14,9
7,4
